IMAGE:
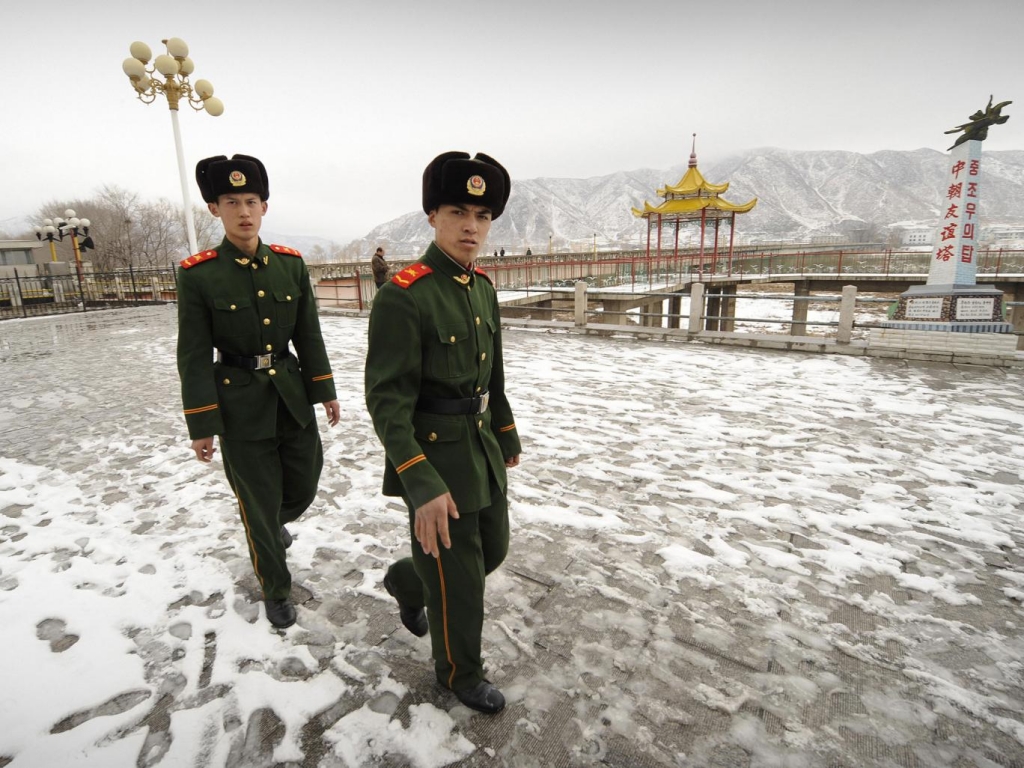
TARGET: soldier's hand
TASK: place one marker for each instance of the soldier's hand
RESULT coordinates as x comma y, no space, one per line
512,461
333,411
432,523
204,449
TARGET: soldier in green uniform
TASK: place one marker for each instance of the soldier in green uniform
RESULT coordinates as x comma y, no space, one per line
435,389
239,306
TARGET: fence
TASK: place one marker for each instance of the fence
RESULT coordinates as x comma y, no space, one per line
30,295
350,285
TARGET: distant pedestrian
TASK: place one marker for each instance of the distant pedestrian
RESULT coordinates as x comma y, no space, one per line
379,267
435,389
246,301
503,253
529,252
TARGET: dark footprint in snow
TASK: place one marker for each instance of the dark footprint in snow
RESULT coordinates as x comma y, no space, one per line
53,632
115,706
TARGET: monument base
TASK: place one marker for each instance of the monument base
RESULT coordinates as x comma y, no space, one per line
950,308
945,342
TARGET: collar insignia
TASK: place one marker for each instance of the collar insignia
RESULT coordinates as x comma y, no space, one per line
244,261
462,279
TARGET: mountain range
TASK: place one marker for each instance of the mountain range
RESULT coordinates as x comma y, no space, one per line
801,195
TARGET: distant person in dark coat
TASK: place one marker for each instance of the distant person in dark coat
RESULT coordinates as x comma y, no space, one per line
529,252
503,253
379,267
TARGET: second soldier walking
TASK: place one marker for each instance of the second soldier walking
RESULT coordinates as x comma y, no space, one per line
435,389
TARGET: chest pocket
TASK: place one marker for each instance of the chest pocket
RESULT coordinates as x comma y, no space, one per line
286,305
453,353
233,317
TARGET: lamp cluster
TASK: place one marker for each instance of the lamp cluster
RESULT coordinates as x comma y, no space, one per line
69,226
174,67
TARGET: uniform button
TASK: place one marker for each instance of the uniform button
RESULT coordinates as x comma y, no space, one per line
478,321
261,294
254,265
270,347
478,389
233,307
288,298
266,321
480,423
483,355
227,381
272,372
452,339
432,437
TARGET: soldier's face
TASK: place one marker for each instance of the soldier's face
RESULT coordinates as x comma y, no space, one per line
241,214
460,230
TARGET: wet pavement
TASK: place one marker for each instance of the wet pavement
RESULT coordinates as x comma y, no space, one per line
719,558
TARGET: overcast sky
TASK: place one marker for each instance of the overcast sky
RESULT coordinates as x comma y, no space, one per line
347,102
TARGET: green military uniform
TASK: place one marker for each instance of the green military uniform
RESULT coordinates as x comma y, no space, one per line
435,334
246,307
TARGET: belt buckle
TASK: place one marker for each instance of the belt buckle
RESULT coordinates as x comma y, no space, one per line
485,398
264,361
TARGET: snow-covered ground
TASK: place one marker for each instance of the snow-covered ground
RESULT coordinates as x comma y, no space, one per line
719,558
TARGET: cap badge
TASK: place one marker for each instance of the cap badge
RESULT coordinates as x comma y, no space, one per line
476,186
237,179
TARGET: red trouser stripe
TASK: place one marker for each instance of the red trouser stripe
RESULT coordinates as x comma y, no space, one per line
252,547
444,621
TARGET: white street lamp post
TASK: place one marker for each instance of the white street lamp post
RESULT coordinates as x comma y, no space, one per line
175,67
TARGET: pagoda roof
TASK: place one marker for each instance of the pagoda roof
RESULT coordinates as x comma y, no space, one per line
681,206
693,195
692,183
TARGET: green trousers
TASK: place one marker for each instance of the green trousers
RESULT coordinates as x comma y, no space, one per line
275,480
451,587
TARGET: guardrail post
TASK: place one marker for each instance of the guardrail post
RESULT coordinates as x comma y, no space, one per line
135,290
798,327
696,307
846,307
581,304
16,299
1017,315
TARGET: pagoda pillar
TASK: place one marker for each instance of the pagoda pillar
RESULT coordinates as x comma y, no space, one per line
703,221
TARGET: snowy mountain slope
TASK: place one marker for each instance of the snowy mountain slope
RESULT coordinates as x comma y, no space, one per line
800,194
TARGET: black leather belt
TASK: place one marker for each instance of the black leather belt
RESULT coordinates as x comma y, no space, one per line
256,363
446,406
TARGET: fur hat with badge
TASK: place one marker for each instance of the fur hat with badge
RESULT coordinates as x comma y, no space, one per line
218,176
454,178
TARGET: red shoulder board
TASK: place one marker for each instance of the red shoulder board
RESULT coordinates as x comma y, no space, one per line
285,249
410,275
198,258
484,275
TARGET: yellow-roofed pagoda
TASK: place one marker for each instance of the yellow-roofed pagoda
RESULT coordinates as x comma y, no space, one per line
694,199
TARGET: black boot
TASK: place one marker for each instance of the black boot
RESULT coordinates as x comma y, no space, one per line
281,613
414,619
483,698
286,538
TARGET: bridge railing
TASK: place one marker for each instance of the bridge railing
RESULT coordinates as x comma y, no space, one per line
351,284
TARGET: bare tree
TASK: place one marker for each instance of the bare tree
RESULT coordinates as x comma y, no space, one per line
208,227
